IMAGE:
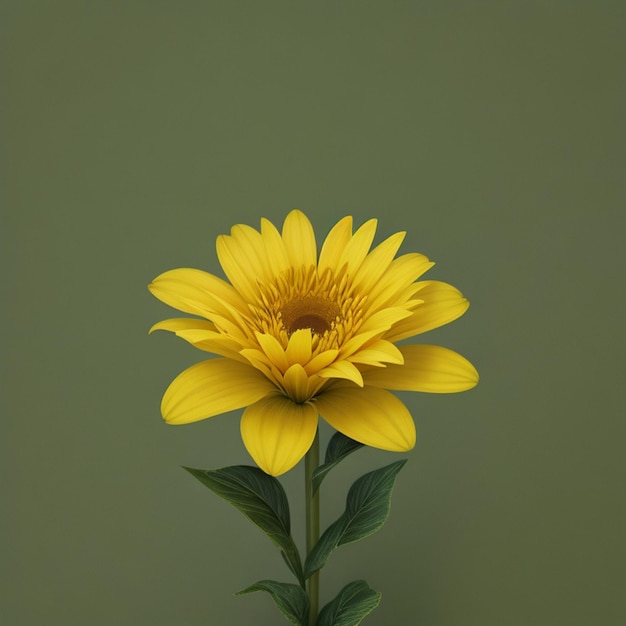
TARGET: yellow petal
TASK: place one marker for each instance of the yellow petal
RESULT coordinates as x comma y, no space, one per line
320,361
252,251
431,369
216,344
296,383
274,351
404,270
202,335
334,245
299,348
377,354
299,240
274,247
357,248
257,358
238,329
238,266
358,342
442,304
260,361
372,416
213,387
199,293
342,369
372,329
383,320
278,432
181,324
377,262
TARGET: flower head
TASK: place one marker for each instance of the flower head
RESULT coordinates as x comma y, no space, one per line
301,335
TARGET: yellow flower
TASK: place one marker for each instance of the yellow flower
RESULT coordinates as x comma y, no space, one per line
302,335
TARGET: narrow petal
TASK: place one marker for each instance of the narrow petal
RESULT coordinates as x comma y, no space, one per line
431,369
274,247
296,383
235,262
352,346
393,283
384,319
442,304
214,343
357,248
299,348
320,361
252,251
371,416
213,387
343,369
274,351
299,240
377,354
377,262
334,245
181,324
202,335
238,329
278,432
259,360
197,292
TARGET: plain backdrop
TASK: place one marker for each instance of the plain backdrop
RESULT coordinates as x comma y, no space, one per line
134,132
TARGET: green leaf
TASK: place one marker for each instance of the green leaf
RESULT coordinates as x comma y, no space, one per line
339,447
262,499
292,600
367,509
354,602
325,545
369,501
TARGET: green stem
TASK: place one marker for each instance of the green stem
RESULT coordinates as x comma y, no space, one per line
311,461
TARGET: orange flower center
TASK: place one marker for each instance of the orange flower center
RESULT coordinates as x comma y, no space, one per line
301,298
318,314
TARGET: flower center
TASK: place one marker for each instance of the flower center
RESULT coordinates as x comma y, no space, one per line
312,312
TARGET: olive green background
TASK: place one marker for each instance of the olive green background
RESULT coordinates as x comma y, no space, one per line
133,133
